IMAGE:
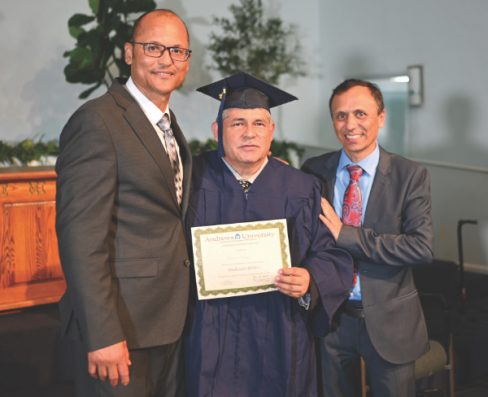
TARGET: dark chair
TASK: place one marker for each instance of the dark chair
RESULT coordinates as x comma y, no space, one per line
438,286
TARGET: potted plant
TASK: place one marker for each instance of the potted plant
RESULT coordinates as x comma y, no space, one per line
98,56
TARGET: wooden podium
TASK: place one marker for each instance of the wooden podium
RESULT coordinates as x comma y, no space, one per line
30,269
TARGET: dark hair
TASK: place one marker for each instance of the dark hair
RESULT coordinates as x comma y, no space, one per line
346,85
159,11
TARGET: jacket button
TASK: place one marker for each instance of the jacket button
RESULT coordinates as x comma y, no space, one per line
186,263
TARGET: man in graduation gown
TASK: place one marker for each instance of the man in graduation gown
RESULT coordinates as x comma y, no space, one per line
262,344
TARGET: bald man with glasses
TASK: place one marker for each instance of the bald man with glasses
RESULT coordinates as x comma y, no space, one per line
122,192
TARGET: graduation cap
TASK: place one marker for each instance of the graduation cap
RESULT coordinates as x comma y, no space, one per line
243,91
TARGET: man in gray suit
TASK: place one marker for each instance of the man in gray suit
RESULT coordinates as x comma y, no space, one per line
382,321
122,193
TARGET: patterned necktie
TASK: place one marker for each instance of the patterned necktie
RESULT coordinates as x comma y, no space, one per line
170,141
244,184
352,205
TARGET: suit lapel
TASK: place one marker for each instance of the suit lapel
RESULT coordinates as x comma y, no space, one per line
377,189
146,134
330,168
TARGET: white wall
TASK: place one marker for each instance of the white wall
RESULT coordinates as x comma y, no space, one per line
454,198
448,37
383,37
340,39
35,100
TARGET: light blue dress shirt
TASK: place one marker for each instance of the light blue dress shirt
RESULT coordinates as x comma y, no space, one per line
369,165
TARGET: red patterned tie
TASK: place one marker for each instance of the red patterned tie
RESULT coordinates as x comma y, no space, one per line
352,205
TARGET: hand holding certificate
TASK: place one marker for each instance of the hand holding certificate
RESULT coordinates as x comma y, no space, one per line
240,258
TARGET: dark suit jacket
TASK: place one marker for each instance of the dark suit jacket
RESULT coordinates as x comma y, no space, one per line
119,226
396,234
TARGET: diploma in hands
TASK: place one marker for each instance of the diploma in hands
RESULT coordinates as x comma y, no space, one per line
239,258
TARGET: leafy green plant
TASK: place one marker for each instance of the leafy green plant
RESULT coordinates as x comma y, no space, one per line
198,147
98,56
265,48
6,155
26,151
283,150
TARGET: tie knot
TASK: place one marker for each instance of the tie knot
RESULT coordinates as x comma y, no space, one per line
244,184
164,123
355,172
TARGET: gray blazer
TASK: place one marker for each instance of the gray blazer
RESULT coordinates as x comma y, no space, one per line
119,226
396,235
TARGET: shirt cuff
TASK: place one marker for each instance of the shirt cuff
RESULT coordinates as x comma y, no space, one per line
305,300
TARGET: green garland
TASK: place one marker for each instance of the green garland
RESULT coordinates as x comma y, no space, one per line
29,150
25,151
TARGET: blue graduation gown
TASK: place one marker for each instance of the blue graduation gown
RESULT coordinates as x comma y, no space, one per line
262,345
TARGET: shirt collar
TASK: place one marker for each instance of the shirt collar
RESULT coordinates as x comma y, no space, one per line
152,112
252,178
368,164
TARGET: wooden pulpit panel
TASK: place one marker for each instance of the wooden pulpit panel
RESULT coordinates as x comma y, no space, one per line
30,270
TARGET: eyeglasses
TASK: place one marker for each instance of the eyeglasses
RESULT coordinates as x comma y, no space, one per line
157,50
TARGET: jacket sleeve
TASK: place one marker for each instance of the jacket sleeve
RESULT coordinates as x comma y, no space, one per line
85,206
408,240
330,267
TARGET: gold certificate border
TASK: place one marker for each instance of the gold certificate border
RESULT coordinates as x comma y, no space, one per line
199,233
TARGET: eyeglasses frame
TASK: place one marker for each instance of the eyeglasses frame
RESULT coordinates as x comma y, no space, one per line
188,51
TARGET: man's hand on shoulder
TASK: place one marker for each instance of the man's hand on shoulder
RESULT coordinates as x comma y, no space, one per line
330,219
111,362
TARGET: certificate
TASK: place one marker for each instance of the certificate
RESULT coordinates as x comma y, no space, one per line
239,258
